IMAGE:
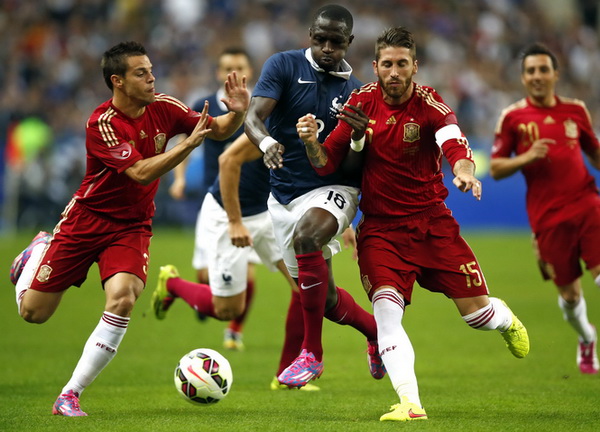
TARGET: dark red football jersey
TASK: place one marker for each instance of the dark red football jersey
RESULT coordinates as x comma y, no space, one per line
114,142
559,185
402,172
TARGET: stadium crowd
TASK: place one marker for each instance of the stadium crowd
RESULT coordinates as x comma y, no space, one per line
50,51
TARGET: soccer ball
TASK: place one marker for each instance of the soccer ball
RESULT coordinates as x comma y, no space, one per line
203,376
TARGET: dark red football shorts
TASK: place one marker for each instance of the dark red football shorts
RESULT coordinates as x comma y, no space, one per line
426,248
82,238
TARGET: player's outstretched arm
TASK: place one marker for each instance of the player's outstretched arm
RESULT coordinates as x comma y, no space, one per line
260,109
237,100
464,180
145,171
502,167
230,166
177,188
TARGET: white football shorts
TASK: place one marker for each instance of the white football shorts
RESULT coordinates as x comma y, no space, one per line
201,246
228,264
340,201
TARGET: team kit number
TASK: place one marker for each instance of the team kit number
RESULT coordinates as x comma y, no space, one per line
337,198
528,133
472,274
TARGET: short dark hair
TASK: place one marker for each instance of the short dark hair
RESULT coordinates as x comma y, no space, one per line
234,50
396,37
113,61
538,49
335,13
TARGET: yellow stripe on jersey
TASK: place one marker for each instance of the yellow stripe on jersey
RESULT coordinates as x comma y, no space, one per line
367,88
106,129
515,106
578,102
468,151
161,97
427,95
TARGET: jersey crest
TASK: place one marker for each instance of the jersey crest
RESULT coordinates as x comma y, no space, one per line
336,106
412,132
159,142
43,274
570,129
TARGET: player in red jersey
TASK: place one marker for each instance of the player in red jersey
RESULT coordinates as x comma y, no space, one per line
543,136
108,220
407,233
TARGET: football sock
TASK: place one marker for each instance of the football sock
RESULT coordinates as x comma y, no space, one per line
196,295
98,351
396,350
294,333
348,312
313,280
494,316
237,324
28,272
576,315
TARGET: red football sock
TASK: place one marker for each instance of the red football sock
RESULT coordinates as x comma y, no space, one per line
348,312
313,279
237,325
294,333
196,295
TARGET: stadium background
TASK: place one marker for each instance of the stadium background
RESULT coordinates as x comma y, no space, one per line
50,81
50,78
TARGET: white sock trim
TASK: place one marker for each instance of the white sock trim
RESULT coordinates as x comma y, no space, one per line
494,316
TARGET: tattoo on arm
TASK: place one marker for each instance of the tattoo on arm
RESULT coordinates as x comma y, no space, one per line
316,154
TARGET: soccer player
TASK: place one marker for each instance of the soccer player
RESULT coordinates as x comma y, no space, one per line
407,233
543,136
235,222
109,219
231,59
309,211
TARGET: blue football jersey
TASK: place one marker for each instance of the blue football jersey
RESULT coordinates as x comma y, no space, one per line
254,188
294,80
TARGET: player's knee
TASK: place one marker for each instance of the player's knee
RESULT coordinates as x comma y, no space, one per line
571,298
122,305
228,313
33,316
305,243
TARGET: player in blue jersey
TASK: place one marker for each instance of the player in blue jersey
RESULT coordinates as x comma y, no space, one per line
231,59
309,211
235,222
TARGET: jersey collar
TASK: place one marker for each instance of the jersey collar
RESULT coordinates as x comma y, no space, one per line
221,95
346,69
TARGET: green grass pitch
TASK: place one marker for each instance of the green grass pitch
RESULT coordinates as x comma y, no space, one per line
468,379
